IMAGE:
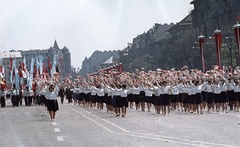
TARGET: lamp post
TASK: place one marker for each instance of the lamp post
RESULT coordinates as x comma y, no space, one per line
218,41
201,41
237,35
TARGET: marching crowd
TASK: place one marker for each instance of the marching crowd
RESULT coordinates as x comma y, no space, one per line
162,90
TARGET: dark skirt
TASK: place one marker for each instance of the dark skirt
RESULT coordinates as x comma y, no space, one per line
165,100
130,98
93,98
192,99
216,98
236,96
101,99
136,98
204,96
124,101
230,95
142,96
118,101
52,105
173,98
223,97
199,98
209,97
149,99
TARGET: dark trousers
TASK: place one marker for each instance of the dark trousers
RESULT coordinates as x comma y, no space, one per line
3,103
15,100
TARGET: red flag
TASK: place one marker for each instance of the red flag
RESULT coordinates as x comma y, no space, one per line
61,63
10,62
35,71
237,36
20,71
44,69
201,41
218,41
49,64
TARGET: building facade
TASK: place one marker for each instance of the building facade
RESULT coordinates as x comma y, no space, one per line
5,56
209,15
63,57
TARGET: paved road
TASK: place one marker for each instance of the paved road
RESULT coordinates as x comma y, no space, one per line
77,126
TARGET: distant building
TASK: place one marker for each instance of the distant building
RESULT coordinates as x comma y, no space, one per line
63,57
98,61
6,61
184,25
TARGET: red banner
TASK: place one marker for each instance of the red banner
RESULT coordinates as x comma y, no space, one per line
201,41
218,41
237,35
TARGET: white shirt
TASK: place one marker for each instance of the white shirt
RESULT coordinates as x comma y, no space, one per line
124,93
51,95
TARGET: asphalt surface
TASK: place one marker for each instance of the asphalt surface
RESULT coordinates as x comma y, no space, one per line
77,126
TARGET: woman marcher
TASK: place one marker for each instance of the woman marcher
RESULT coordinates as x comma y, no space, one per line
136,96
198,85
209,89
101,97
51,93
124,100
236,95
149,96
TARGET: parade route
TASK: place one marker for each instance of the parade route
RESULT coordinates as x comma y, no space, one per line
80,126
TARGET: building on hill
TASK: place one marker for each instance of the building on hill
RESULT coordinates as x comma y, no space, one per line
96,61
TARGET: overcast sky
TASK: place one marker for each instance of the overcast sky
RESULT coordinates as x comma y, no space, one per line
82,25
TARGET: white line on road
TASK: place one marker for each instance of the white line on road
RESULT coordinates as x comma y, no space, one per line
54,123
150,136
92,120
56,130
60,138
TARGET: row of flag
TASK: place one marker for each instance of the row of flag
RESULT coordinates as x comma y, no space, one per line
20,76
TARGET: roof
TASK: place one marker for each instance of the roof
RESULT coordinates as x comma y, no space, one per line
12,54
55,45
161,31
109,61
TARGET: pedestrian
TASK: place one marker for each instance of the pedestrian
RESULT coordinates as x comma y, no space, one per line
14,96
26,94
2,96
61,94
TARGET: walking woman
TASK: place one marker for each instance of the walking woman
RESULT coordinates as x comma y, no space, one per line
51,93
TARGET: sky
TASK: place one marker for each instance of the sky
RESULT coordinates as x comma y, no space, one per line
83,26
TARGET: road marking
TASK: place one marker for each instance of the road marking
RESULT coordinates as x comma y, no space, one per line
92,120
150,136
54,123
60,138
6,111
56,130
